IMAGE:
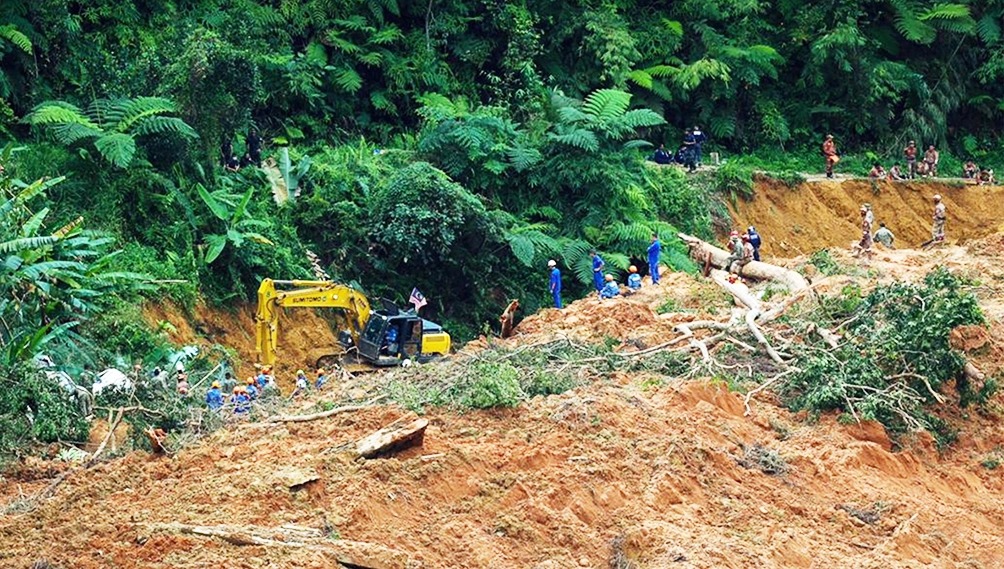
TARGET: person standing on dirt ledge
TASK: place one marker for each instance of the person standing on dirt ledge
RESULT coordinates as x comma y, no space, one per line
910,155
699,140
555,282
864,247
931,158
938,231
598,266
830,154
654,252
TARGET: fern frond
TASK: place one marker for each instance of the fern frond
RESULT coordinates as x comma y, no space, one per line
606,104
524,157
722,126
579,138
117,148
571,115
522,248
908,23
662,71
372,59
674,27
988,28
639,118
348,79
16,37
356,22
386,35
163,125
128,112
946,12
71,133
56,112
641,78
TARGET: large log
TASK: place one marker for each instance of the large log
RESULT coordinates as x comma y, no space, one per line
391,438
353,553
699,250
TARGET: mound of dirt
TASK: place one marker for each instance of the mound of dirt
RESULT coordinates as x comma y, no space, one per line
304,335
819,214
659,478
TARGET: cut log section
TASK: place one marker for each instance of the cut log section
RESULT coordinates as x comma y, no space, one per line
357,554
700,249
394,437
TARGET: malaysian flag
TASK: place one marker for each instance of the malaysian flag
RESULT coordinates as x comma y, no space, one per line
418,299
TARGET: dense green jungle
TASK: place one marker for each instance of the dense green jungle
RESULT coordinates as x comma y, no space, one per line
451,145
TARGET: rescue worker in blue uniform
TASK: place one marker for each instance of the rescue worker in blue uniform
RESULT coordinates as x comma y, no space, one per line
634,279
251,389
598,266
555,282
699,139
754,241
654,251
610,288
214,397
241,401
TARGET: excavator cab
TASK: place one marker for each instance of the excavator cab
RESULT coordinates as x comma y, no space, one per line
391,337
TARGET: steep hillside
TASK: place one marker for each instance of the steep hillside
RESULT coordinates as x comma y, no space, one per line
628,470
818,214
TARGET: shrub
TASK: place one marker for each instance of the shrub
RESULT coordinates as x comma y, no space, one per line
34,409
895,359
490,384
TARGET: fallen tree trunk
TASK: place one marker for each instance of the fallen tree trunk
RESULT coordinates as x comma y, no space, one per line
322,414
699,250
352,553
392,437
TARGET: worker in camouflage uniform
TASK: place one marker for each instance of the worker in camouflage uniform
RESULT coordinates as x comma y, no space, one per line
864,246
735,250
938,230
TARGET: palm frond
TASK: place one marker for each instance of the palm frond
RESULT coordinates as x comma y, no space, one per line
25,243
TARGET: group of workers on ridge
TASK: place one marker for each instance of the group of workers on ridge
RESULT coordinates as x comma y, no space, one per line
260,385
925,167
604,283
689,154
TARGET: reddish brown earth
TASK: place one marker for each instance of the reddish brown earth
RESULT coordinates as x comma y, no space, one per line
626,471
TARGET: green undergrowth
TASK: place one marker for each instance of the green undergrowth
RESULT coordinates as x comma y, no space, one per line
894,358
503,377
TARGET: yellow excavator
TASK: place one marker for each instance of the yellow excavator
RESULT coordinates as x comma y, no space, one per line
384,337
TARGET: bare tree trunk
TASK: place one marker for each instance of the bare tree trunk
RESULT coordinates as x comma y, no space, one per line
700,249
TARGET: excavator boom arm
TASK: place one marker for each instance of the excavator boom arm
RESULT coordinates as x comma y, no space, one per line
305,294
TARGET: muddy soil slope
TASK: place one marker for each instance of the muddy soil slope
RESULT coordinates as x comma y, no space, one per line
626,471
814,215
